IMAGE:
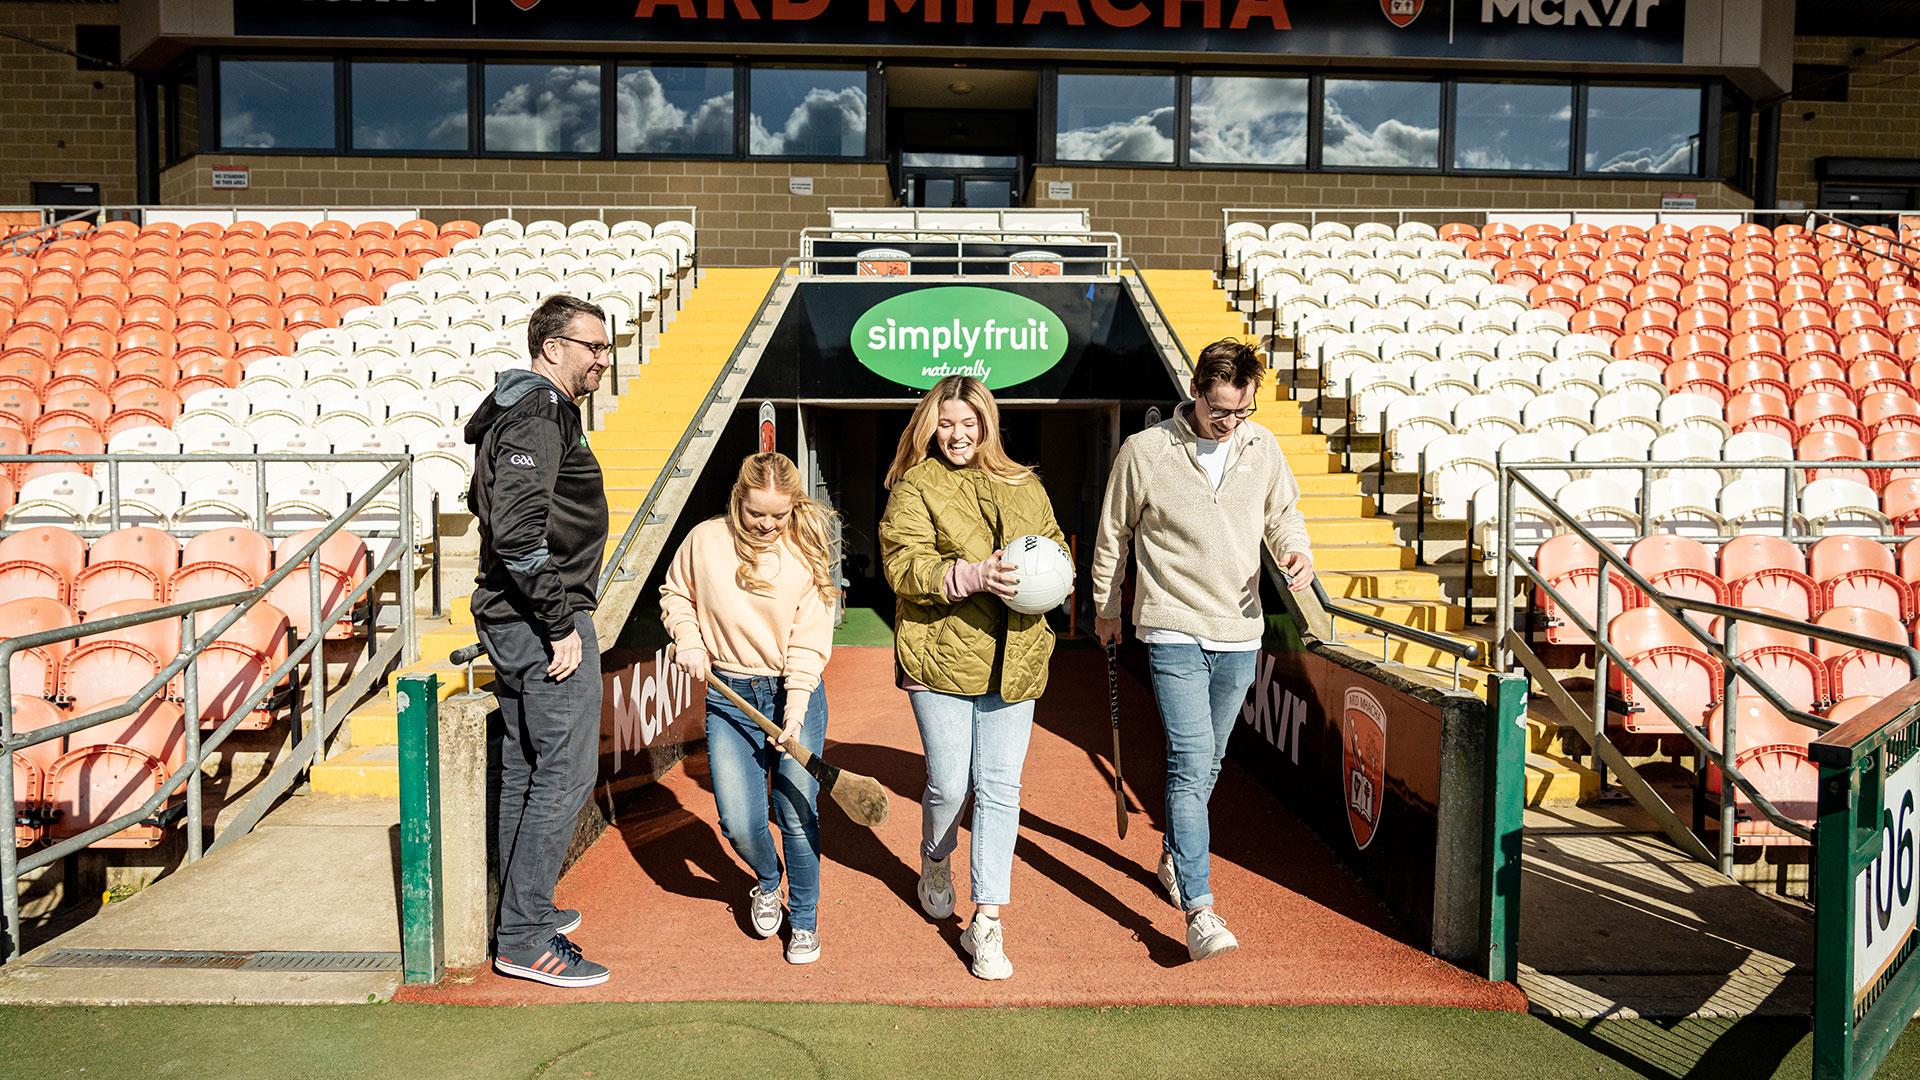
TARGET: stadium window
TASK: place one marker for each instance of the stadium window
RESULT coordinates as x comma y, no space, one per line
1512,127
1380,124
542,108
409,106
1643,129
807,112
1114,118
663,109
1244,120
277,105
98,46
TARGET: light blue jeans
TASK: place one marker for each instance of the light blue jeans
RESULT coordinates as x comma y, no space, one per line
1200,693
977,746
743,764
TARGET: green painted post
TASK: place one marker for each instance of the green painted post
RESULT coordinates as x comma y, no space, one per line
1833,923
1506,786
422,920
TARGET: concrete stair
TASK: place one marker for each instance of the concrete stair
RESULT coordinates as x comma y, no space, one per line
1357,552
636,433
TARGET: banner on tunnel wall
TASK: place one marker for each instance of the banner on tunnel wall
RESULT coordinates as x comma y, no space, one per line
650,712
1360,757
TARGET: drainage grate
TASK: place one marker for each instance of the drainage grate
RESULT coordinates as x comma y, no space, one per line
223,961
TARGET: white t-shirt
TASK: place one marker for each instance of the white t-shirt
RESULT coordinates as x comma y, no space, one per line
1213,459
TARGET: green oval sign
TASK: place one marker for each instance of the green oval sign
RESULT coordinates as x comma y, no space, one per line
1001,338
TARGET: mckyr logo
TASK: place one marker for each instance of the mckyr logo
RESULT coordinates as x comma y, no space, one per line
999,337
1363,743
1401,13
1617,13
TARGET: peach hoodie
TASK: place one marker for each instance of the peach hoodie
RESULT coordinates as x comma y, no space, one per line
787,631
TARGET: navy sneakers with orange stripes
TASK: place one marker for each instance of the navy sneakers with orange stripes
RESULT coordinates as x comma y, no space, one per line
560,963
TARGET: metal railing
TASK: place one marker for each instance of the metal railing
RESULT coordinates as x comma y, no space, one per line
787,276
238,211
326,707
1468,651
1512,563
1113,242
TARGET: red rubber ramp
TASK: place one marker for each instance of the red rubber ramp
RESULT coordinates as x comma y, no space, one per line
664,900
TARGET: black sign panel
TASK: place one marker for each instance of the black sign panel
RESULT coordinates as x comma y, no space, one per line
1593,31
1109,354
877,258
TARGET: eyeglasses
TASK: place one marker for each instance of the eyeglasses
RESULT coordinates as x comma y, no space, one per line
597,348
1222,414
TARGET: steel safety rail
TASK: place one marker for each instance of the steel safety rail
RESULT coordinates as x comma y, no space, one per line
136,212
793,265
305,744
1388,630
1911,260
1734,671
14,240
1113,241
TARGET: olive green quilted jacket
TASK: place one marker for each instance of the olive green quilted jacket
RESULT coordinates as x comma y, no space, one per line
938,515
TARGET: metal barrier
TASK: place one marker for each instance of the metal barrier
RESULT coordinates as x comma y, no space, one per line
325,710
1510,563
137,212
1388,630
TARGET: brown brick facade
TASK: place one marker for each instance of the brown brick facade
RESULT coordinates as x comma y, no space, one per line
746,216
1880,118
59,125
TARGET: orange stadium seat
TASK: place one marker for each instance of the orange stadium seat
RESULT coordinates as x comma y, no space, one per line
1768,572
343,566
221,561
36,671
32,764
1679,566
235,665
1858,671
1671,659
135,563
41,561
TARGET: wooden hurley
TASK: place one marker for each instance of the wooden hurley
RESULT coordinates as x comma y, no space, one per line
862,797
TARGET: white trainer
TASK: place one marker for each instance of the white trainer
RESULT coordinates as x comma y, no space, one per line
987,944
936,887
1207,935
763,910
803,947
1169,878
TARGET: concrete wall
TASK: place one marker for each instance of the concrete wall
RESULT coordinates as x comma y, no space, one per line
56,122
1880,118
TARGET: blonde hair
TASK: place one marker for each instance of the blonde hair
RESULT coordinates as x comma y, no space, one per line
809,527
917,443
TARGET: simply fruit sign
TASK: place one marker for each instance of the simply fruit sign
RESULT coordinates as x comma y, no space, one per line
999,337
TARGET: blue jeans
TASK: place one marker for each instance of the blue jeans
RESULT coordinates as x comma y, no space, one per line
744,762
1200,693
974,745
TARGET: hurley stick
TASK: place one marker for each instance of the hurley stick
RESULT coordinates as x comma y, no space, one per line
862,797
1113,710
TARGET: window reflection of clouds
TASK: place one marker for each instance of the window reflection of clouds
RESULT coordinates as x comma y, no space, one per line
816,113
541,109
1512,126
674,110
1381,124
1257,121
276,104
1643,129
1115,118
409,106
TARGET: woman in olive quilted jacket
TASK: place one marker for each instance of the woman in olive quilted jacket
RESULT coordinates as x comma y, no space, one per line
972,667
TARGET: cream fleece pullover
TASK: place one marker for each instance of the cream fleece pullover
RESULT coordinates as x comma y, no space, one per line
787,631
1199,548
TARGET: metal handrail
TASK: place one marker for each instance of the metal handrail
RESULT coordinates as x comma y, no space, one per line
1388,629
467,654
1910,263
306,747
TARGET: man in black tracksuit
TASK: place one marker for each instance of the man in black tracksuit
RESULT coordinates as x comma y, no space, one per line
541,506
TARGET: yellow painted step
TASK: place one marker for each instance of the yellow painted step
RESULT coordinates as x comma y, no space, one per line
1315,464
367,772
1291,445
1337,532
1362,557
1336,506
1555,781
375,724
1421,614
1326,483
1379,584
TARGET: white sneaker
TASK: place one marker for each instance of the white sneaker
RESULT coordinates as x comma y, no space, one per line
936,887
1169,878
1207,935
985,942
763,910
803,947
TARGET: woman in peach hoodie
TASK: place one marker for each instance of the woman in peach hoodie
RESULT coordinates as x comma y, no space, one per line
750,595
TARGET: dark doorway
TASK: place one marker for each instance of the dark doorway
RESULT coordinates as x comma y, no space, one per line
1865,198
961,137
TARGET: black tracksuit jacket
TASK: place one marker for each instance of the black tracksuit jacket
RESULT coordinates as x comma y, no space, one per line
541,505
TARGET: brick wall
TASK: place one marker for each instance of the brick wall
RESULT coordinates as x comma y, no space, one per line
58,123
746,216
1172,219
1880,118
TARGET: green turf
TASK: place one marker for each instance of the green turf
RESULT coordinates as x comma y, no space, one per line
863,626
419,1042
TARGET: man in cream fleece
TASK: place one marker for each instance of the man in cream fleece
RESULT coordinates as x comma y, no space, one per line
1197,496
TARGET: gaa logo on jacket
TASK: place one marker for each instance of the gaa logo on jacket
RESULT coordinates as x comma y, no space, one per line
1363,742
1400,13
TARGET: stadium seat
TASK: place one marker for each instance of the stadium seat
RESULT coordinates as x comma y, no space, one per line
1669,658
1678,566
1857,671
31,766
1770,752
41,561
36,671
343,566
238,663
134,563
220,562
1768,572
1857,572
